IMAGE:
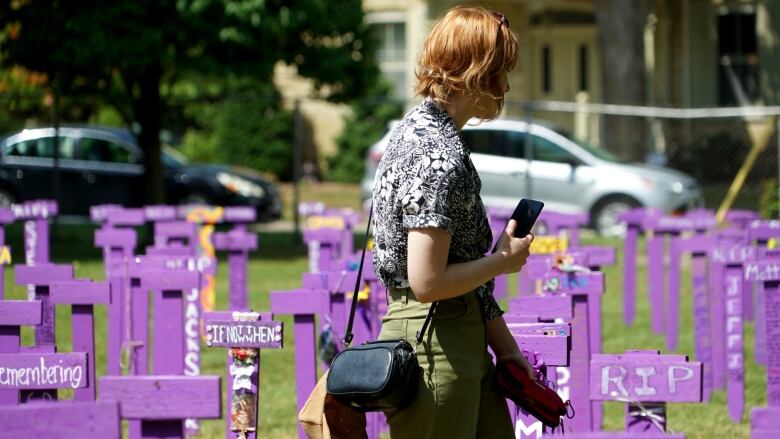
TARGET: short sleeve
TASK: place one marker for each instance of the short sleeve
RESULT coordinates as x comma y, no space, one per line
435,195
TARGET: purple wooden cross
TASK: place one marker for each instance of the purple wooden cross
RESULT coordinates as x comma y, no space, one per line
169,288
40,277
44,371
13,315
82,295
588,257
760,232
242,330
303,305
98,213
562,224
160,212
662,227
84,420
741,219
645,381
205,217
548,343
192,308
35,214
161,402
765,421
324,248
341,219
728,260
699,246
118,246
720,254
635,220
6,217
181,234
169,353
585,290
238,243
595,256
125,217
338,284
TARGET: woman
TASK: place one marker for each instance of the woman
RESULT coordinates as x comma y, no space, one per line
431,234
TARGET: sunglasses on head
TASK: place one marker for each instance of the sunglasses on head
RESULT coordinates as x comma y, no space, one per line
502,20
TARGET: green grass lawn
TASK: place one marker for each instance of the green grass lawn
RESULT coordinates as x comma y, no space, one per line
278,266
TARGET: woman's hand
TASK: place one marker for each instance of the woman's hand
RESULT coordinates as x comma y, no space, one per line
519,359
504,345
514,251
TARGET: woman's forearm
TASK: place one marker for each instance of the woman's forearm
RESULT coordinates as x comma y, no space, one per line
500,339
457,279
432,278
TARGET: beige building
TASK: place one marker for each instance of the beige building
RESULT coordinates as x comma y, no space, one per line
698,53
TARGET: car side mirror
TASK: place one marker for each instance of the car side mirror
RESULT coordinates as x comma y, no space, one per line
573,162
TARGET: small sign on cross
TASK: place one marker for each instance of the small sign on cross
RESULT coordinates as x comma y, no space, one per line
244,333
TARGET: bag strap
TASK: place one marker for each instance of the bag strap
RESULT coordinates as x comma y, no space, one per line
348,336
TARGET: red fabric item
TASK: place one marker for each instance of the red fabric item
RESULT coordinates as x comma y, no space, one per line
530,395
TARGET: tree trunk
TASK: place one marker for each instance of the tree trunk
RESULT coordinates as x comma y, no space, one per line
622,55
148,112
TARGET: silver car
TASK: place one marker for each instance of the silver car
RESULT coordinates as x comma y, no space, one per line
570,176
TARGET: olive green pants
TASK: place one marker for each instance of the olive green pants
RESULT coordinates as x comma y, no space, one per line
456,397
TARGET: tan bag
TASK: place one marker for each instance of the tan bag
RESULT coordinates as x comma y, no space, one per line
323,417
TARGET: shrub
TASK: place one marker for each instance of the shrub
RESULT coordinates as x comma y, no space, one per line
254,131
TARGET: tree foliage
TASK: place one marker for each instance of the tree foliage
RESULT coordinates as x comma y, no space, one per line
138,55
254,131
366,123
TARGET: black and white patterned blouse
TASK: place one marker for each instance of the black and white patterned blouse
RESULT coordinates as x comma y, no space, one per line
426,179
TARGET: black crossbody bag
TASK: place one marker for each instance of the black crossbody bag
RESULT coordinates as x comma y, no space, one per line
377,375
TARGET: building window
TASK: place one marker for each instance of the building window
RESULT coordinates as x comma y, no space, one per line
391,54
583,68
738,69
546,70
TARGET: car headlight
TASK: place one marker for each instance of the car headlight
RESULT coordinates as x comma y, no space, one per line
240,185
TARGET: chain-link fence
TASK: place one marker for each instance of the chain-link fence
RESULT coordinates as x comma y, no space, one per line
712,145
716,146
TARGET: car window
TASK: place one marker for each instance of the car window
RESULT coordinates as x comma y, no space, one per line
42,147
547,151
494,142
99,150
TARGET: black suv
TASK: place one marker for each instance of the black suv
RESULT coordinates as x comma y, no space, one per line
99,165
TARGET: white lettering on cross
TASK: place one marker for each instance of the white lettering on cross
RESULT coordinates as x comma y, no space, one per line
617,381
522,431
687,375
645,372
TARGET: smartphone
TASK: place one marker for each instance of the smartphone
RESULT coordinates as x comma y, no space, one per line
526,213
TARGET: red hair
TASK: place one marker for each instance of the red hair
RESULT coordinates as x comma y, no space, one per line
466,51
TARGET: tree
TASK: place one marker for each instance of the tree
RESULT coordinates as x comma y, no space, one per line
622,51
135,55
366,123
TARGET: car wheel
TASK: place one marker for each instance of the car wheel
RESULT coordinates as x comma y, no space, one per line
605,215
6,198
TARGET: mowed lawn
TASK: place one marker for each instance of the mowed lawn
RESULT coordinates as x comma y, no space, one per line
278,265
